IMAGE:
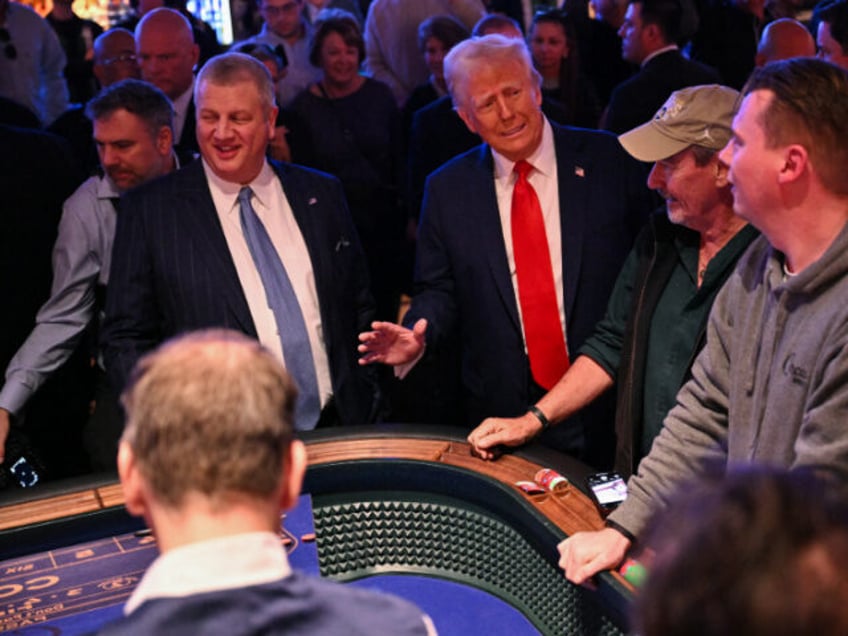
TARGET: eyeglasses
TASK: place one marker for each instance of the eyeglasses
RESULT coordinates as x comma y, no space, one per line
123,58
9,49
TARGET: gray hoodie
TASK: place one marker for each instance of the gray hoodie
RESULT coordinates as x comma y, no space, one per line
770,386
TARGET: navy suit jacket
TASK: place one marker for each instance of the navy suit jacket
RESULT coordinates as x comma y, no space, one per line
186,147
463,280
637,99
172,272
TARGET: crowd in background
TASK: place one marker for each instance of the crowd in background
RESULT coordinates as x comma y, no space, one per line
362,95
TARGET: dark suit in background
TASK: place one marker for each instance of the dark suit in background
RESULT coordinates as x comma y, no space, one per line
634,101
186,146
37,174
172,272
464,287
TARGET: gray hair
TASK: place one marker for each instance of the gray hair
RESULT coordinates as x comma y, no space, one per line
490,50
209,412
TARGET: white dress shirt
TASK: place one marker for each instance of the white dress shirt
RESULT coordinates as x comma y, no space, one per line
225,563
543,178
273,209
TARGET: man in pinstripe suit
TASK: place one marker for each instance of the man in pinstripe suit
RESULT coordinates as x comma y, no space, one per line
182,260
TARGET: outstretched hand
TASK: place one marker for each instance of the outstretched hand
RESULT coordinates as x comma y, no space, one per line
389,343
497,431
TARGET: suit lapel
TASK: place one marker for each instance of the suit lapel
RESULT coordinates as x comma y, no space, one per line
573,171
491,238
307,204
189,139
214,257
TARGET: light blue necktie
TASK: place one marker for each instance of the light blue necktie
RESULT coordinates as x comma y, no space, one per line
279,293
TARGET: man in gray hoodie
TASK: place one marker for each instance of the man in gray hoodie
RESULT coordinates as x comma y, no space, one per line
771,385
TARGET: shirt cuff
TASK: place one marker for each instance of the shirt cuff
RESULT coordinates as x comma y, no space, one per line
402,370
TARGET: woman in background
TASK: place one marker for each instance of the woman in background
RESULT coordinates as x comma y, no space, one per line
553,45
349,125
436,36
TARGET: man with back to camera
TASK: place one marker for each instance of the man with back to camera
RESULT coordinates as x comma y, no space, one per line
133,135
517,316
656,319
209,459
770,385
167,55
237,241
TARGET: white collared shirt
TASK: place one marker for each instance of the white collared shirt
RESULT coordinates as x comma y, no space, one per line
543,178
225,563
273,209
665,49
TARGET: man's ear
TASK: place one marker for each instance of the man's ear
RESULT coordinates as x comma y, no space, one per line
465,117
795,162
135,498
99,73
294,468
272,122
721,172
652,32
165,141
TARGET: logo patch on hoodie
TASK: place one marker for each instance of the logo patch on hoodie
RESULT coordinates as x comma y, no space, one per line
798,375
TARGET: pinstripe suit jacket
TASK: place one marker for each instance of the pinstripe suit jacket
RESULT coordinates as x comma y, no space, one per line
172,272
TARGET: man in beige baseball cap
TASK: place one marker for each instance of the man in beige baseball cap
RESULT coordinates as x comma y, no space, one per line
695,116
656,317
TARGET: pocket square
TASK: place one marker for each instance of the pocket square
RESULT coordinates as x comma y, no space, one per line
342,243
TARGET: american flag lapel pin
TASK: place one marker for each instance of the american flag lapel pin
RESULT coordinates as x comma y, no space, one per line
313,201
579,171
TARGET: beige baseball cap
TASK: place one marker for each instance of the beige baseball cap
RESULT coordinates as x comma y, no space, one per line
697,115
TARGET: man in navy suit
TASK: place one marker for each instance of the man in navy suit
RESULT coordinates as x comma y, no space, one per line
649,35
593,200
183,259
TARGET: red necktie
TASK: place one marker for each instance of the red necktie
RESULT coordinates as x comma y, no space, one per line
536,293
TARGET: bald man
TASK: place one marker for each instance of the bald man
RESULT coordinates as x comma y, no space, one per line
784,39
114,60
114,57
167,55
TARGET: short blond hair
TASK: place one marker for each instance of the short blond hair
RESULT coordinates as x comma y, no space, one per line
210,412
231,68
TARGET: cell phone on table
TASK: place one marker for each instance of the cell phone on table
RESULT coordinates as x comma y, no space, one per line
608,490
